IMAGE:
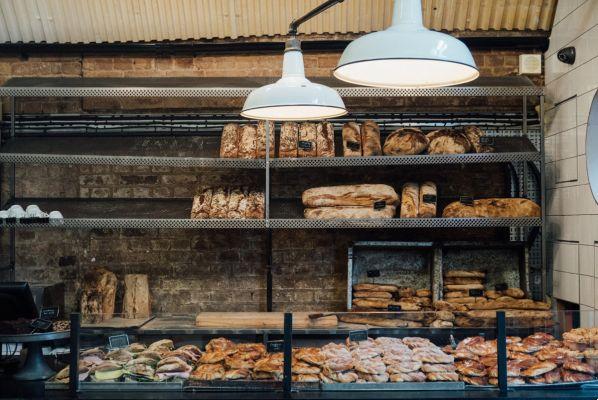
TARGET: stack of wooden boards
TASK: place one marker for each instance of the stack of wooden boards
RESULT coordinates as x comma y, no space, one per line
228,203
473,306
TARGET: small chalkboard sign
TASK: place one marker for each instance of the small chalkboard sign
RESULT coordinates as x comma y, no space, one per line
499,287
118,341
351,145
49,313
476,292
429,198
487,140
379,205
394,307
358,336
40,324
373,273
275,346
305,145
467,200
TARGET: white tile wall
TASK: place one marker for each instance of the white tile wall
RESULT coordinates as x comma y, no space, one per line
572,212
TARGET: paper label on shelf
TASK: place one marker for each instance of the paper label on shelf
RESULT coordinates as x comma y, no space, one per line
118,341
351,145
429,198
394,307
373,273
49,313
358,336
379,205
305,145
275,346
476,292
467,200
499,287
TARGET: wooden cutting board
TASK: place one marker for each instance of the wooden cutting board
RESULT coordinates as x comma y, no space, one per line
270,320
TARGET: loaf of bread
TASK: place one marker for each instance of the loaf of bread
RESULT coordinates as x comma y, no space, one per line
493,208
234,204
247,141
372,294
261,138
473,134
368,319
448,141
219,205
201,204
459,273
405,141
427,200
306,147
409,200
349,195
375,287
464,287
255,205
371,303
325,139
462,281
370,139
352,140
519,304
289,136
229,141
349,212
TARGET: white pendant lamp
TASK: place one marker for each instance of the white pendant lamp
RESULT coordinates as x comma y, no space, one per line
406,55
293,97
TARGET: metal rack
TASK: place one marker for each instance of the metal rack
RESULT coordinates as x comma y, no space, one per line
510,132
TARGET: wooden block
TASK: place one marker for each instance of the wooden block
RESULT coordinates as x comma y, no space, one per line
136,302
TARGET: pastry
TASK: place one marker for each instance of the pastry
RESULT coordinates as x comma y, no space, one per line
471,368
578,366
370,139
222,344
300,367
306,147
229,142
310,355
475,380
289,136
207,372
376,378
409,200
247,141
539,369
405,141
237,361
366,195
442,376
325,139
408,377
570,376
306,378
352,140
236,374
438,367
261,139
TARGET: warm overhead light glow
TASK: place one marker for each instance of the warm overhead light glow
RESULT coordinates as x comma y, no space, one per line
406,55
293,97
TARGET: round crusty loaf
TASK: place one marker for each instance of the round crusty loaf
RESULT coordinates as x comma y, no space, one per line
493,208
405,141
448,141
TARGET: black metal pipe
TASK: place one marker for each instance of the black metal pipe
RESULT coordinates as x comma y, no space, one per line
288,353
310,14
501,344
74,354
269,301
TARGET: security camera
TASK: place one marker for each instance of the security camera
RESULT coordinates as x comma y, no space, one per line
566,55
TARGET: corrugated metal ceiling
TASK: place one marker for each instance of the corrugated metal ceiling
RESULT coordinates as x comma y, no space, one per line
88,21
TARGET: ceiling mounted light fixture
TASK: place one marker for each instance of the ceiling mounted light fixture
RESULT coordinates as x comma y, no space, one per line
406,55
293,97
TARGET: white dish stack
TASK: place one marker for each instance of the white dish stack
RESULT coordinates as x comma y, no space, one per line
32,214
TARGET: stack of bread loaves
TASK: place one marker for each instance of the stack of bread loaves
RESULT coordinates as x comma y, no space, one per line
227,203
361,140
306,140
350,201
246,141
418,201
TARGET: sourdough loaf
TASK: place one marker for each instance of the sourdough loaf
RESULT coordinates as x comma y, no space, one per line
427,200
370,139
405,141
261,138
349,195
201,204
289,135
352,146
229,141
349,212
409,200
247,141
493,208
448,141
325,139
306,147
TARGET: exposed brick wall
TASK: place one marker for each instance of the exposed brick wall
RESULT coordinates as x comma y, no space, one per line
207,270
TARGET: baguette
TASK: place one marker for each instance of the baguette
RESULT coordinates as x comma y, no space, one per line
349,195
464,274
455,295
375,287
491,314
229,141
349,212
464,287
325,140
372,294
289,135
370,139
306,147
371,303
521,304
462,281
352,146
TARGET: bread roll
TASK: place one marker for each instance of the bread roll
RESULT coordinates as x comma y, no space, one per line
352,146
493,208
514,292
405,141
427,200
229,141
248,141
306,147
349,212
370,139
409,200
219,205
289,135
448,141
201,204
261,138
325,139
349,195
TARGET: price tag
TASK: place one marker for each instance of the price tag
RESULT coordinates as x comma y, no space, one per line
40,324
467,200
476,292
351,145
394,307
275,346
118,341
49,313
487,140
305,145
499,287
429,198
358,336
379,205
373,273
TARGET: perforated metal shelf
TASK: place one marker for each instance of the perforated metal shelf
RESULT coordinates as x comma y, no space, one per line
404,223
241,87
145,223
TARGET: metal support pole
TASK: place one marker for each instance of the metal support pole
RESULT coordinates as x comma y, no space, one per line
74,348
501,344
269,271
269,136
546,271
13,111
294,26
288,353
